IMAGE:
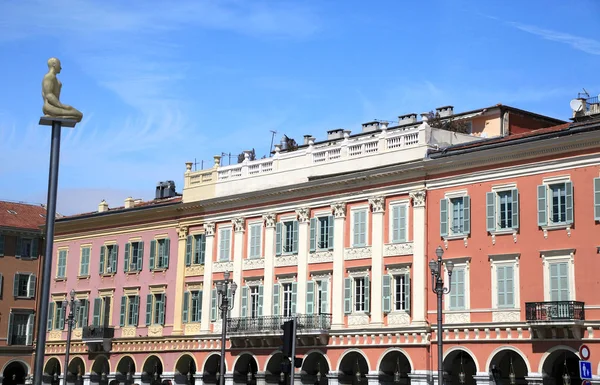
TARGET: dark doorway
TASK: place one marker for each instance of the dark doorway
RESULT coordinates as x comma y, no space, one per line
14,373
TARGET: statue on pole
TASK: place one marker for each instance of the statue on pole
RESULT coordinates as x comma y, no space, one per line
51,93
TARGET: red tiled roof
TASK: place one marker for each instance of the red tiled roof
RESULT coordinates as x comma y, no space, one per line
22,215
155,202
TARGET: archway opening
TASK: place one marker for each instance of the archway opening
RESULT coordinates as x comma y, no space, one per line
14,373
210,373
353,369
100,371
459,368
315,369
76,371
52,372
559,364
394,369
275,372
508,368
245,370
152,371
185,369
125,370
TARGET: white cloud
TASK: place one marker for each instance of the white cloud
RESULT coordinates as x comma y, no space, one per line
580,43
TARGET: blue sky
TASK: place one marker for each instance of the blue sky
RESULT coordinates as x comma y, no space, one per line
161,83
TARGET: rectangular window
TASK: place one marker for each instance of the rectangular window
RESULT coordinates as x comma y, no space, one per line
199,249
155,309
254,302
399,223
457,214
136,256
555,204
108,259
59,315
455,217
26,248
506,289
287,299
558,204
84,266
457,289
24,285
359,228
321,233
81,317
61,271
132,306
162,253
502,210
359,294
255,241
20,329
321,303
196,306
102,307
559,281
286,237
401,292
225,244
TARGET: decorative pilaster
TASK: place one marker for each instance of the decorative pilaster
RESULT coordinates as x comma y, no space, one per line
377,205
182,232
269,273
303,215
337,289
419,257
209,233
239,227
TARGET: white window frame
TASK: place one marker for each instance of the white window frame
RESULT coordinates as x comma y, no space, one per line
252,304
28,275
221,230
353,210
400,202
283,221
394,292
318,217
89,268
449,196
554,256
318,279
497,190
358,274
548,182
459,263
505,260
258,224
282,297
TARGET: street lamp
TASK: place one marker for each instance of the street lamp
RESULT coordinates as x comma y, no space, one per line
437,285
249,374
397,372
224,306
73,305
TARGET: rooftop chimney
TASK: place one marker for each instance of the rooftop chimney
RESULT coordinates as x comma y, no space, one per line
445,111
129,203
407,119
370,126
103,206
307,139
338,133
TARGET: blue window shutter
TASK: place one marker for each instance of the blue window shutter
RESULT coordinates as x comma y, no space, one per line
466,215
126,257
310,297
395,223
367,294
167,253
490,211
347,295
501,282
188,250
403,223
213,305
356,230
31,286
186,306
140,256
123,310
149,309
444,217
596,205
34,248
278,238
294,296
387,298
1,245
563,278
18,248
294,237
407,292
102,258
152,253
50,315
313,234
276,299
509,287
569,201
330,224
261,291
324,296
542,205
244,301
515,208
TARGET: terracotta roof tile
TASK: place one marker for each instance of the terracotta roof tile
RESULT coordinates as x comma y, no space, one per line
155,202
22,215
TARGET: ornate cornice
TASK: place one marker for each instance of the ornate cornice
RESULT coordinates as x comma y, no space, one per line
418,198
239,224
303,214
209,229
270,219
182,231
339,209
377,204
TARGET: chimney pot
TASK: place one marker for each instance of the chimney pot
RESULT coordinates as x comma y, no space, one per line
407,119
370,126
129,203
103,206
338,133
445,111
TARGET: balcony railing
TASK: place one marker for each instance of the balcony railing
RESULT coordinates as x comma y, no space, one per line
97,332
554,311
272,324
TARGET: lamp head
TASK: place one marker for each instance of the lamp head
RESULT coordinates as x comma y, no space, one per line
72,293
220,287
233,288
282,377
439,252
226,275
433,266
450,266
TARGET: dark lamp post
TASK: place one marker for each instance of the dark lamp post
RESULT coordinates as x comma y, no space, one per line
358,374
225,307
282,377
249,374
512,378
72,305
319,373
566,378
397,372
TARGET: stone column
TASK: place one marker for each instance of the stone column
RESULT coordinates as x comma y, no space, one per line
198,379
209,234
373,378
535,379
337,285
86,379
269,273
483,378
303,228
378,208
332,378
419,267
421,377
260,378
229,378
182,231
239,226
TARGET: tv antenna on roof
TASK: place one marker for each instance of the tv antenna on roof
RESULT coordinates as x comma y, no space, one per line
272,138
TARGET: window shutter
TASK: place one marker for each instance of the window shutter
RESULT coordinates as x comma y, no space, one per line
509,286
294,296
186,306
330,224
140,256
188,250
1,245
126,257
515,208
444,217
10,327
50,315
34,248
244,301
466,215
542,205
276,299
490,204
460,289
310,297
102,258
30,324
161,309
148,309
596,206
501,281
115,256
395,223
1,285
347,295
17,276
123,311
387,306
199,307
18,248
403,237
202,249
356,228
86,309
295,237
85,263
152,253
324,296
563,278
31,286
367,294
167,253
97,310
313,235
61,318
569,201
407,292
260,300
278,238
213,305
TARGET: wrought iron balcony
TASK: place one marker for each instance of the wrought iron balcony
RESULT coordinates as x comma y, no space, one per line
97,332
554,311
313,323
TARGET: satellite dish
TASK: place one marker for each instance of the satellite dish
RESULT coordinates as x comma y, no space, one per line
576,105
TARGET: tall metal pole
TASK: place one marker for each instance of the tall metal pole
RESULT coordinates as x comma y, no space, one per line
44,298
293,358
224,308
70,321
440,341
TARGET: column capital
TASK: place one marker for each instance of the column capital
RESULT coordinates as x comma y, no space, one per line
377,204
182,231
339,209
303,214
209,229
418,197
239,224
270,219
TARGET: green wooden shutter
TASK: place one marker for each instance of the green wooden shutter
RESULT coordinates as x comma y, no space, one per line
244,301
387,297
16,279
330,224
162,308
18,248
310,297
324,296
29,334
466,215
140,262
403,224
102,258
86,310
490,204
50,316
569,201
356,238
152,254
114,259
347,295
61,318
261,292
136,314
10,331
126,257
199,307
31,286
186,306
85,264
97,311
596,205
295,237
444,217
213,305
563,276
276,299
367,295
501,282
188,250
407,292
278,238
515,207
396,223
202,249
123,311
457,292
294,296
1,245
542,219
167,253
313,234
34,248
509,286
149,309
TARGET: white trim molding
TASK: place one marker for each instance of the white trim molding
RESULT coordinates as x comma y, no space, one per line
552,256
505,314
